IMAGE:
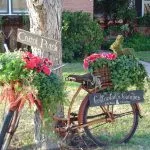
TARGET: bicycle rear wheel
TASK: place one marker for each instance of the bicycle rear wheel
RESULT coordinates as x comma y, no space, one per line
104,131
8,129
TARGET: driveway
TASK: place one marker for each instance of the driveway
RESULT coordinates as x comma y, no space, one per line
147,66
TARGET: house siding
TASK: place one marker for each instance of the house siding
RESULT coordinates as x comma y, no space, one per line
78,5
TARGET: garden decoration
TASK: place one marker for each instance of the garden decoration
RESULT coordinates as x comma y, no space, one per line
117,47
26,77
121,71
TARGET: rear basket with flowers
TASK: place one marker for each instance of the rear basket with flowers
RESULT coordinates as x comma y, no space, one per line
120,72
26,77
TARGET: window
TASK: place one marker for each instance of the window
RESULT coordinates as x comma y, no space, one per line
13,7
146,6
19,6
3,6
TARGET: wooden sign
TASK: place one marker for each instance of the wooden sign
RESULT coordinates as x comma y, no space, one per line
37,41
114,98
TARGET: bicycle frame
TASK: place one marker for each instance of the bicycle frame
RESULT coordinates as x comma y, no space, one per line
79,118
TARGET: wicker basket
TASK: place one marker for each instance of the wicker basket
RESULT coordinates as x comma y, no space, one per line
103,74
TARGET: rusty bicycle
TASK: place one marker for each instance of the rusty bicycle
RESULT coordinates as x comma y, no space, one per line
100,115
105,118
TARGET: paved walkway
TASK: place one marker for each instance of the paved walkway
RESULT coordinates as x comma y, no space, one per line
147,66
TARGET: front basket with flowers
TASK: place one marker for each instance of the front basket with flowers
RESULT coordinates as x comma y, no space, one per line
26,77
122,71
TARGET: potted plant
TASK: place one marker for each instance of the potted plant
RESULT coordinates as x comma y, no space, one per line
26,77
122,71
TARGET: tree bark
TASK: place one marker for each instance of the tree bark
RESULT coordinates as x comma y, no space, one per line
45,20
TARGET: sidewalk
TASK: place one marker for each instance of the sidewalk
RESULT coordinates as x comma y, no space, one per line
147,66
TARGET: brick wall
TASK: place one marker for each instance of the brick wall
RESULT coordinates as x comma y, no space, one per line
78,5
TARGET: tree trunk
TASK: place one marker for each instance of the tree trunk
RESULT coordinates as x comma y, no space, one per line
45,20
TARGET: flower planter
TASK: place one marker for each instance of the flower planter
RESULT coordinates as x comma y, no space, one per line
103,74
27,78
120,71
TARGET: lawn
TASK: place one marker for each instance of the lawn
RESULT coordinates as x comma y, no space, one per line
24,136
143,55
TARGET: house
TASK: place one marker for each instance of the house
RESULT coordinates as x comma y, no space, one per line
11,12
79,5
142,7
16,7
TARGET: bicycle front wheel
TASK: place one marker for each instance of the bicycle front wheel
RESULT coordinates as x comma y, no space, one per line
8,129
113,124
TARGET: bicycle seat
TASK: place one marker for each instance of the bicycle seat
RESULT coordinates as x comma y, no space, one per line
87,81
86,78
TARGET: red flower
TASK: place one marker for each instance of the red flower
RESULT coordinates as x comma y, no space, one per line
30,65
46,70
47,62
37,63
28,54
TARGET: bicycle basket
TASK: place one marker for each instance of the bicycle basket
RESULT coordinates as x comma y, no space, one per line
103,74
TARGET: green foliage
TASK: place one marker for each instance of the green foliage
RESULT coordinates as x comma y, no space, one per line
138,42
144,21
1,21
126,13
113,30
48,88
125,71
12,67
80,35
50,92
25,20
116,9
106,44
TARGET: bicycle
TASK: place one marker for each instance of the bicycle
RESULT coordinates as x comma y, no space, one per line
104,124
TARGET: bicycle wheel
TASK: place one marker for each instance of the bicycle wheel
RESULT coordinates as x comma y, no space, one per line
104,131
8,129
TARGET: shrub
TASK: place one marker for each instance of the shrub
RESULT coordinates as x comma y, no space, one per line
144,21
106,44
80,35
138,42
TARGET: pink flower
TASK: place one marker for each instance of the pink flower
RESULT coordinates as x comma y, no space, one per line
85,64
94,57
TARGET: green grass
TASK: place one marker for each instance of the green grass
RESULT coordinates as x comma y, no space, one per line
144,55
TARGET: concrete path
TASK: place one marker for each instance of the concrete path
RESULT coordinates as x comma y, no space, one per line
147,66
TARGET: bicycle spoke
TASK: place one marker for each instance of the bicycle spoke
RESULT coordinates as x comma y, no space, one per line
118,125
123,114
